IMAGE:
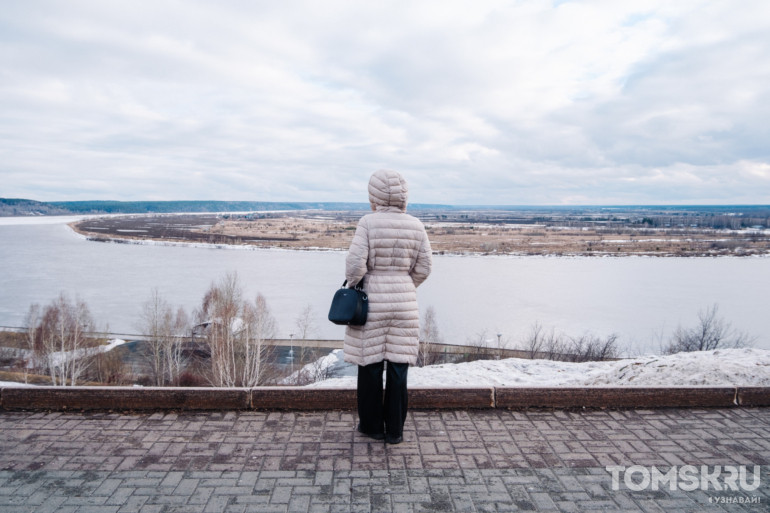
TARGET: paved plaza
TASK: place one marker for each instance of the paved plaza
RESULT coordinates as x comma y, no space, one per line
477,460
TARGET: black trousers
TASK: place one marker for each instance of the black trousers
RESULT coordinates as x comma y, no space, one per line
374,413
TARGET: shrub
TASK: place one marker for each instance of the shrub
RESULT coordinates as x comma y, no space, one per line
190,379
711,332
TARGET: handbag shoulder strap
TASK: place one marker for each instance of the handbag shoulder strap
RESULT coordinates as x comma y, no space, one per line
358,286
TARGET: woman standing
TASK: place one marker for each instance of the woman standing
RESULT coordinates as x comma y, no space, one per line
391,253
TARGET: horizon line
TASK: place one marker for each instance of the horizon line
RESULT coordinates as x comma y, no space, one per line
469,205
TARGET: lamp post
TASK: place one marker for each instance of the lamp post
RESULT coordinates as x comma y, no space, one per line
499,348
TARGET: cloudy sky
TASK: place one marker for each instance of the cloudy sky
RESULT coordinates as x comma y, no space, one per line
483,102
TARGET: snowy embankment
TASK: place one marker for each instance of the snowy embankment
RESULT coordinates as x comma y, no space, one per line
721,367
58,357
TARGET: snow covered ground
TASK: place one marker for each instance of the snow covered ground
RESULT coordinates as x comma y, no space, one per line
57,357
721,367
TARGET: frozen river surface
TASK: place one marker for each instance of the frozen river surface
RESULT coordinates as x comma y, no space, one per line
642,300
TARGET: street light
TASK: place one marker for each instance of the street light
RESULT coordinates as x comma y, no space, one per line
499,349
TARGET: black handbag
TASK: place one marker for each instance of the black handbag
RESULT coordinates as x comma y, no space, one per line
350,306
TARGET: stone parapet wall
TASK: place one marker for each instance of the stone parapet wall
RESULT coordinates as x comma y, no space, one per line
298,398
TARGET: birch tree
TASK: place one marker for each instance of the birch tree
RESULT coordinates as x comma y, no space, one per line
304,327
260,327
305,323
236,331
164,332
33,339
430,337
59,338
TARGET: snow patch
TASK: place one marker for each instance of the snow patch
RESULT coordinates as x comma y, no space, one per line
58,357
721,367
14,384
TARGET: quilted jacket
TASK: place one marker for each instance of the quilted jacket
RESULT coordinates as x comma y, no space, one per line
391,252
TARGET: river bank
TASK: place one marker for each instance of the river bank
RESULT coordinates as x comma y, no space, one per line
334,231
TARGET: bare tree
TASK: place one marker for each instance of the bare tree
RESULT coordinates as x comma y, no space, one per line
220,312
304,326
33,338
555,346
539,342
711,332
152,327
236,331
317,370
430,337
548,345
591,348
109,367
175,360
58,337
260,327
479,348
305,323
164,332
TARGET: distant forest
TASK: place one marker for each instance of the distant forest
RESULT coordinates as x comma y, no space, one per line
22,207
653,215
25,207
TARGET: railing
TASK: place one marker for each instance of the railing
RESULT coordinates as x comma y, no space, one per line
450,350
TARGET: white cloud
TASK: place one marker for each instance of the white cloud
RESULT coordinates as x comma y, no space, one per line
498,102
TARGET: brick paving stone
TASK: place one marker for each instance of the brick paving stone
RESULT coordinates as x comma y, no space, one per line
315,461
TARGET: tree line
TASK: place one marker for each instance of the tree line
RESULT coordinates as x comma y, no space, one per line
233,332
231,329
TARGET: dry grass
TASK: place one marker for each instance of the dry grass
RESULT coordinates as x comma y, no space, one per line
19,377
330,231
291,232
13,339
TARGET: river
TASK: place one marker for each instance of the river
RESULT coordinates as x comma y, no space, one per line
641,299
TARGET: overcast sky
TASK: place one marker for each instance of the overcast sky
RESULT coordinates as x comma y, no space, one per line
483,102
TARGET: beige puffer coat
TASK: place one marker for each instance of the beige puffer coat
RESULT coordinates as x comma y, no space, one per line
390,250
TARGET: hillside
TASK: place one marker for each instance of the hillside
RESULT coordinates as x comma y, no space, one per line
20,207
26,207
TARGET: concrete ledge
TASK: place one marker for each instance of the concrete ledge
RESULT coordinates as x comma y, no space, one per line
124,398
451,398
296,398
754,396
614,397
